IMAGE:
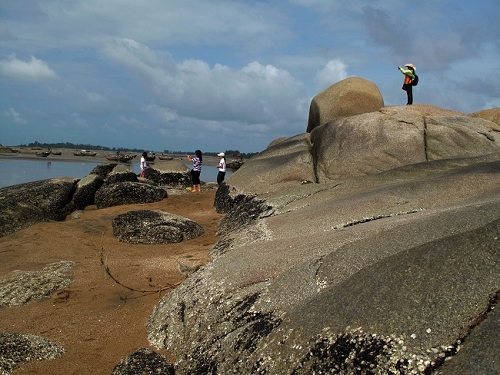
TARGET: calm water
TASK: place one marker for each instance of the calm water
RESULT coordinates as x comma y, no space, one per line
18,171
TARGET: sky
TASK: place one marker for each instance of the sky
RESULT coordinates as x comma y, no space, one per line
220,75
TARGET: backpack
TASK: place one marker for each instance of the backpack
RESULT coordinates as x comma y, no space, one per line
415,80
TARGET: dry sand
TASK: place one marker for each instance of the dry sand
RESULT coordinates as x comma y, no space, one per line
96,320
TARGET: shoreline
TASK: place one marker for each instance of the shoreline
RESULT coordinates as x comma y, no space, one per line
68,156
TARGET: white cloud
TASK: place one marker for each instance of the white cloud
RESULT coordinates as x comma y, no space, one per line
256,93
33,70
16,117
333,72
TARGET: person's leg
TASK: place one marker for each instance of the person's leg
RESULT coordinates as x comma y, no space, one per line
409,92
220,177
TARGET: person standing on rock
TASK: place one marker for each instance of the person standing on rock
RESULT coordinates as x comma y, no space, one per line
409,74
196,171
222,168
144,164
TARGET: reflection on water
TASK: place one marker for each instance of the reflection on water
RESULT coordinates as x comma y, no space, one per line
19,171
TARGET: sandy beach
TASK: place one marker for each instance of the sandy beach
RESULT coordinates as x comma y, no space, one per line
96,320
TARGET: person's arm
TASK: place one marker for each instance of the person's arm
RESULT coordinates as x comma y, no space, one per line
407,72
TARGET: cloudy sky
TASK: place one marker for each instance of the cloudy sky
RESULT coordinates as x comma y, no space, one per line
222,75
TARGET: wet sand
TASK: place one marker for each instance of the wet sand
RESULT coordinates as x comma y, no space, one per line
96,320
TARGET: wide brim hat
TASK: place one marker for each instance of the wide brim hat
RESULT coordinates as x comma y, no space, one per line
410,65
221,154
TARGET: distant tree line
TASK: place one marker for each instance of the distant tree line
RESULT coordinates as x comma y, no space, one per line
229,153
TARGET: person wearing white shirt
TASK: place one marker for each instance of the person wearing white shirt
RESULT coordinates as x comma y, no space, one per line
222,168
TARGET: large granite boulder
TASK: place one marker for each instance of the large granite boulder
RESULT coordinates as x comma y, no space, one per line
380,272
154,227
349,97
397,136
26,204
386,262
127,193
287,162
170,173
364,144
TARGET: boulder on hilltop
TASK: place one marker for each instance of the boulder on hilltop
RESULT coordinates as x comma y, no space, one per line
351,96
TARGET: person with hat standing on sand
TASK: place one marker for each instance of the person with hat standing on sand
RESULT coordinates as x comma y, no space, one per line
409,77
222,168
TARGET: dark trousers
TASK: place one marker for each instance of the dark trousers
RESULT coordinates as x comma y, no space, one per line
220,177
409,93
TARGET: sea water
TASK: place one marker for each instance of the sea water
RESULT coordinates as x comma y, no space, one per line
19,171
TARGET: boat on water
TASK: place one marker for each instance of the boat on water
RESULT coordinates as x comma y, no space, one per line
165,157
235,164
123,158
84,153
43,154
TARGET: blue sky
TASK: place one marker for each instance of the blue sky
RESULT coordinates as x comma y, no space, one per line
227,75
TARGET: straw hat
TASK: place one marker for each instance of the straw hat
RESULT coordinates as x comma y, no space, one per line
411,65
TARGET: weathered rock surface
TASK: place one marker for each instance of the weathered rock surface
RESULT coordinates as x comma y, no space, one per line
127,193
18,348
369,273
492,115
103,170
84,193
394,137
26,204
144,361
121,173
113,184
28,286
387,260
349,97
170,173
154,227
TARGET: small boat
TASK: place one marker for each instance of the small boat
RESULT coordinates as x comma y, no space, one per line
165,157
150,157
56,153
235,164
43,154
84,153
123,158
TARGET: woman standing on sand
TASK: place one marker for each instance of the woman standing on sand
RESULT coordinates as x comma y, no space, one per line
196,171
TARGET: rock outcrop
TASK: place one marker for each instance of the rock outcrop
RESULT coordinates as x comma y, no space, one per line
370,245
19,348
170,173
349,97
107,185
29,286
116,194
144,361
154,227
26,204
